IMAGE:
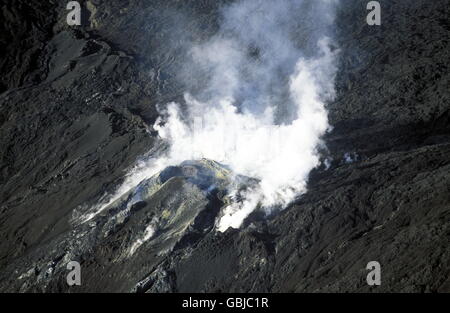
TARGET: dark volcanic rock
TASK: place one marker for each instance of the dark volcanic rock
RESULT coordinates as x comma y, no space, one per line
76,106
170,211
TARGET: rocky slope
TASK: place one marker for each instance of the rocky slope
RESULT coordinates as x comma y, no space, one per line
76,109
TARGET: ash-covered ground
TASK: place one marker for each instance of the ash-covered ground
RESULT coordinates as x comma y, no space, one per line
77,106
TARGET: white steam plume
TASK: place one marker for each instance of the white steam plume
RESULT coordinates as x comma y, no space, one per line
269,70
263,111
280,156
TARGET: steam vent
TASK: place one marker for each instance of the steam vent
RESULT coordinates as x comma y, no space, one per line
224,146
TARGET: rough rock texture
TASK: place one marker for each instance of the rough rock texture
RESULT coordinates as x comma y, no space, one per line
76,109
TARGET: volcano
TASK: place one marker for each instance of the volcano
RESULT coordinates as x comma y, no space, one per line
87,175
